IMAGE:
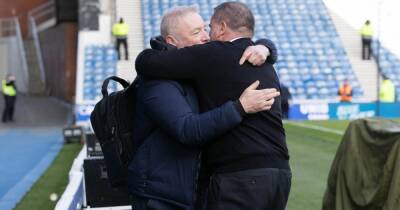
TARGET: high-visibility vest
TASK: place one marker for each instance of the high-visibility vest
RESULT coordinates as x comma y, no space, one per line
366,31
387,92
120,29
345,93
8,90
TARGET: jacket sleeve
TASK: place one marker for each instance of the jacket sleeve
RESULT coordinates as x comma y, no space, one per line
273,57
166,105
184,63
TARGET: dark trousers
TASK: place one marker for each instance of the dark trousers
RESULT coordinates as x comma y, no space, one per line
122,41
366,49
255,189
285,109
140,203
8,112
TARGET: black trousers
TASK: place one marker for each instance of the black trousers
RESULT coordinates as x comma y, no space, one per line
285,109
122,41
366,49
8,112
140,203
255,189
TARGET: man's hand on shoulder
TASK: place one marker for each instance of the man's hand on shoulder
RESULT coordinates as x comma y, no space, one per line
256,55
253,100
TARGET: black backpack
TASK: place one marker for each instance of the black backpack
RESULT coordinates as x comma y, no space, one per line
112,120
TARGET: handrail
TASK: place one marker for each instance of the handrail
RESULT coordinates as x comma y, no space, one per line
7,19
7,25
36,17
38,49
21,50
37,9
43,13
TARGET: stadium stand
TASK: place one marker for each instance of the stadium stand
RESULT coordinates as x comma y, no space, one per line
131,12
312,61
389,64
100,62
365,70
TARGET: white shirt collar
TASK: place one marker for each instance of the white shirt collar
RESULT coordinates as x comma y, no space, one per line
236,39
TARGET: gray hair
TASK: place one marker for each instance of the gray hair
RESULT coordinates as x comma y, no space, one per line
237,16
172,17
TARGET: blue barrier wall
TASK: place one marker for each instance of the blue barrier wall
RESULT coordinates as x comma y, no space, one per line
342,111
303,111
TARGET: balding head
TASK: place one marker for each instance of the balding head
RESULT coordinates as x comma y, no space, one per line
236,16
172,19
183,26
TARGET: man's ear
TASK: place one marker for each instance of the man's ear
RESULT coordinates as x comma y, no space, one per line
223,27
169,39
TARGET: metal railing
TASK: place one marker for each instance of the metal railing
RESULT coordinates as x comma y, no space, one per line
9,27
41,18
21,50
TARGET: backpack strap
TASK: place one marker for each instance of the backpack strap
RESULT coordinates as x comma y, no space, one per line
121,81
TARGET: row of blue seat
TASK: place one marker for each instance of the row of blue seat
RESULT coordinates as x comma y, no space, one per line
313,60
100,62
310,51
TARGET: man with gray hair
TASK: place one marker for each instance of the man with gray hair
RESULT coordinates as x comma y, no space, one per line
169,130
249,165
183,27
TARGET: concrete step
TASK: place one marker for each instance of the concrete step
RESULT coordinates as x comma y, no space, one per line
131,11
365,71
126,70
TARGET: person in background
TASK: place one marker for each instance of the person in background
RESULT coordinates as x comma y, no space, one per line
345,92
10,94
285,97
120,31
366,32
387,91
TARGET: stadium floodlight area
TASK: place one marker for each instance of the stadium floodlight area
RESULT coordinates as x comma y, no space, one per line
312,61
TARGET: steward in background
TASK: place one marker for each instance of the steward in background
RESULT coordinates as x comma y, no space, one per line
366,32
10,94
387,91
120,31
345,92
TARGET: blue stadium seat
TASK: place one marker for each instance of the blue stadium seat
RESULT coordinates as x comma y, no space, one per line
311,54
100,62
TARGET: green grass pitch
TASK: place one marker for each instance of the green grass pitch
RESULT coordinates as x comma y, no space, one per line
311,153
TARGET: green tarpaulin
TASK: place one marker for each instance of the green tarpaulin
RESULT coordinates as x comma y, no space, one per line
365,174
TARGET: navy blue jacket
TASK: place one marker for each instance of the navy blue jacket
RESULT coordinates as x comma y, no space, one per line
171,132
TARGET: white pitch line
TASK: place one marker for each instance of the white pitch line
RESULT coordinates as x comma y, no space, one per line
315,127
